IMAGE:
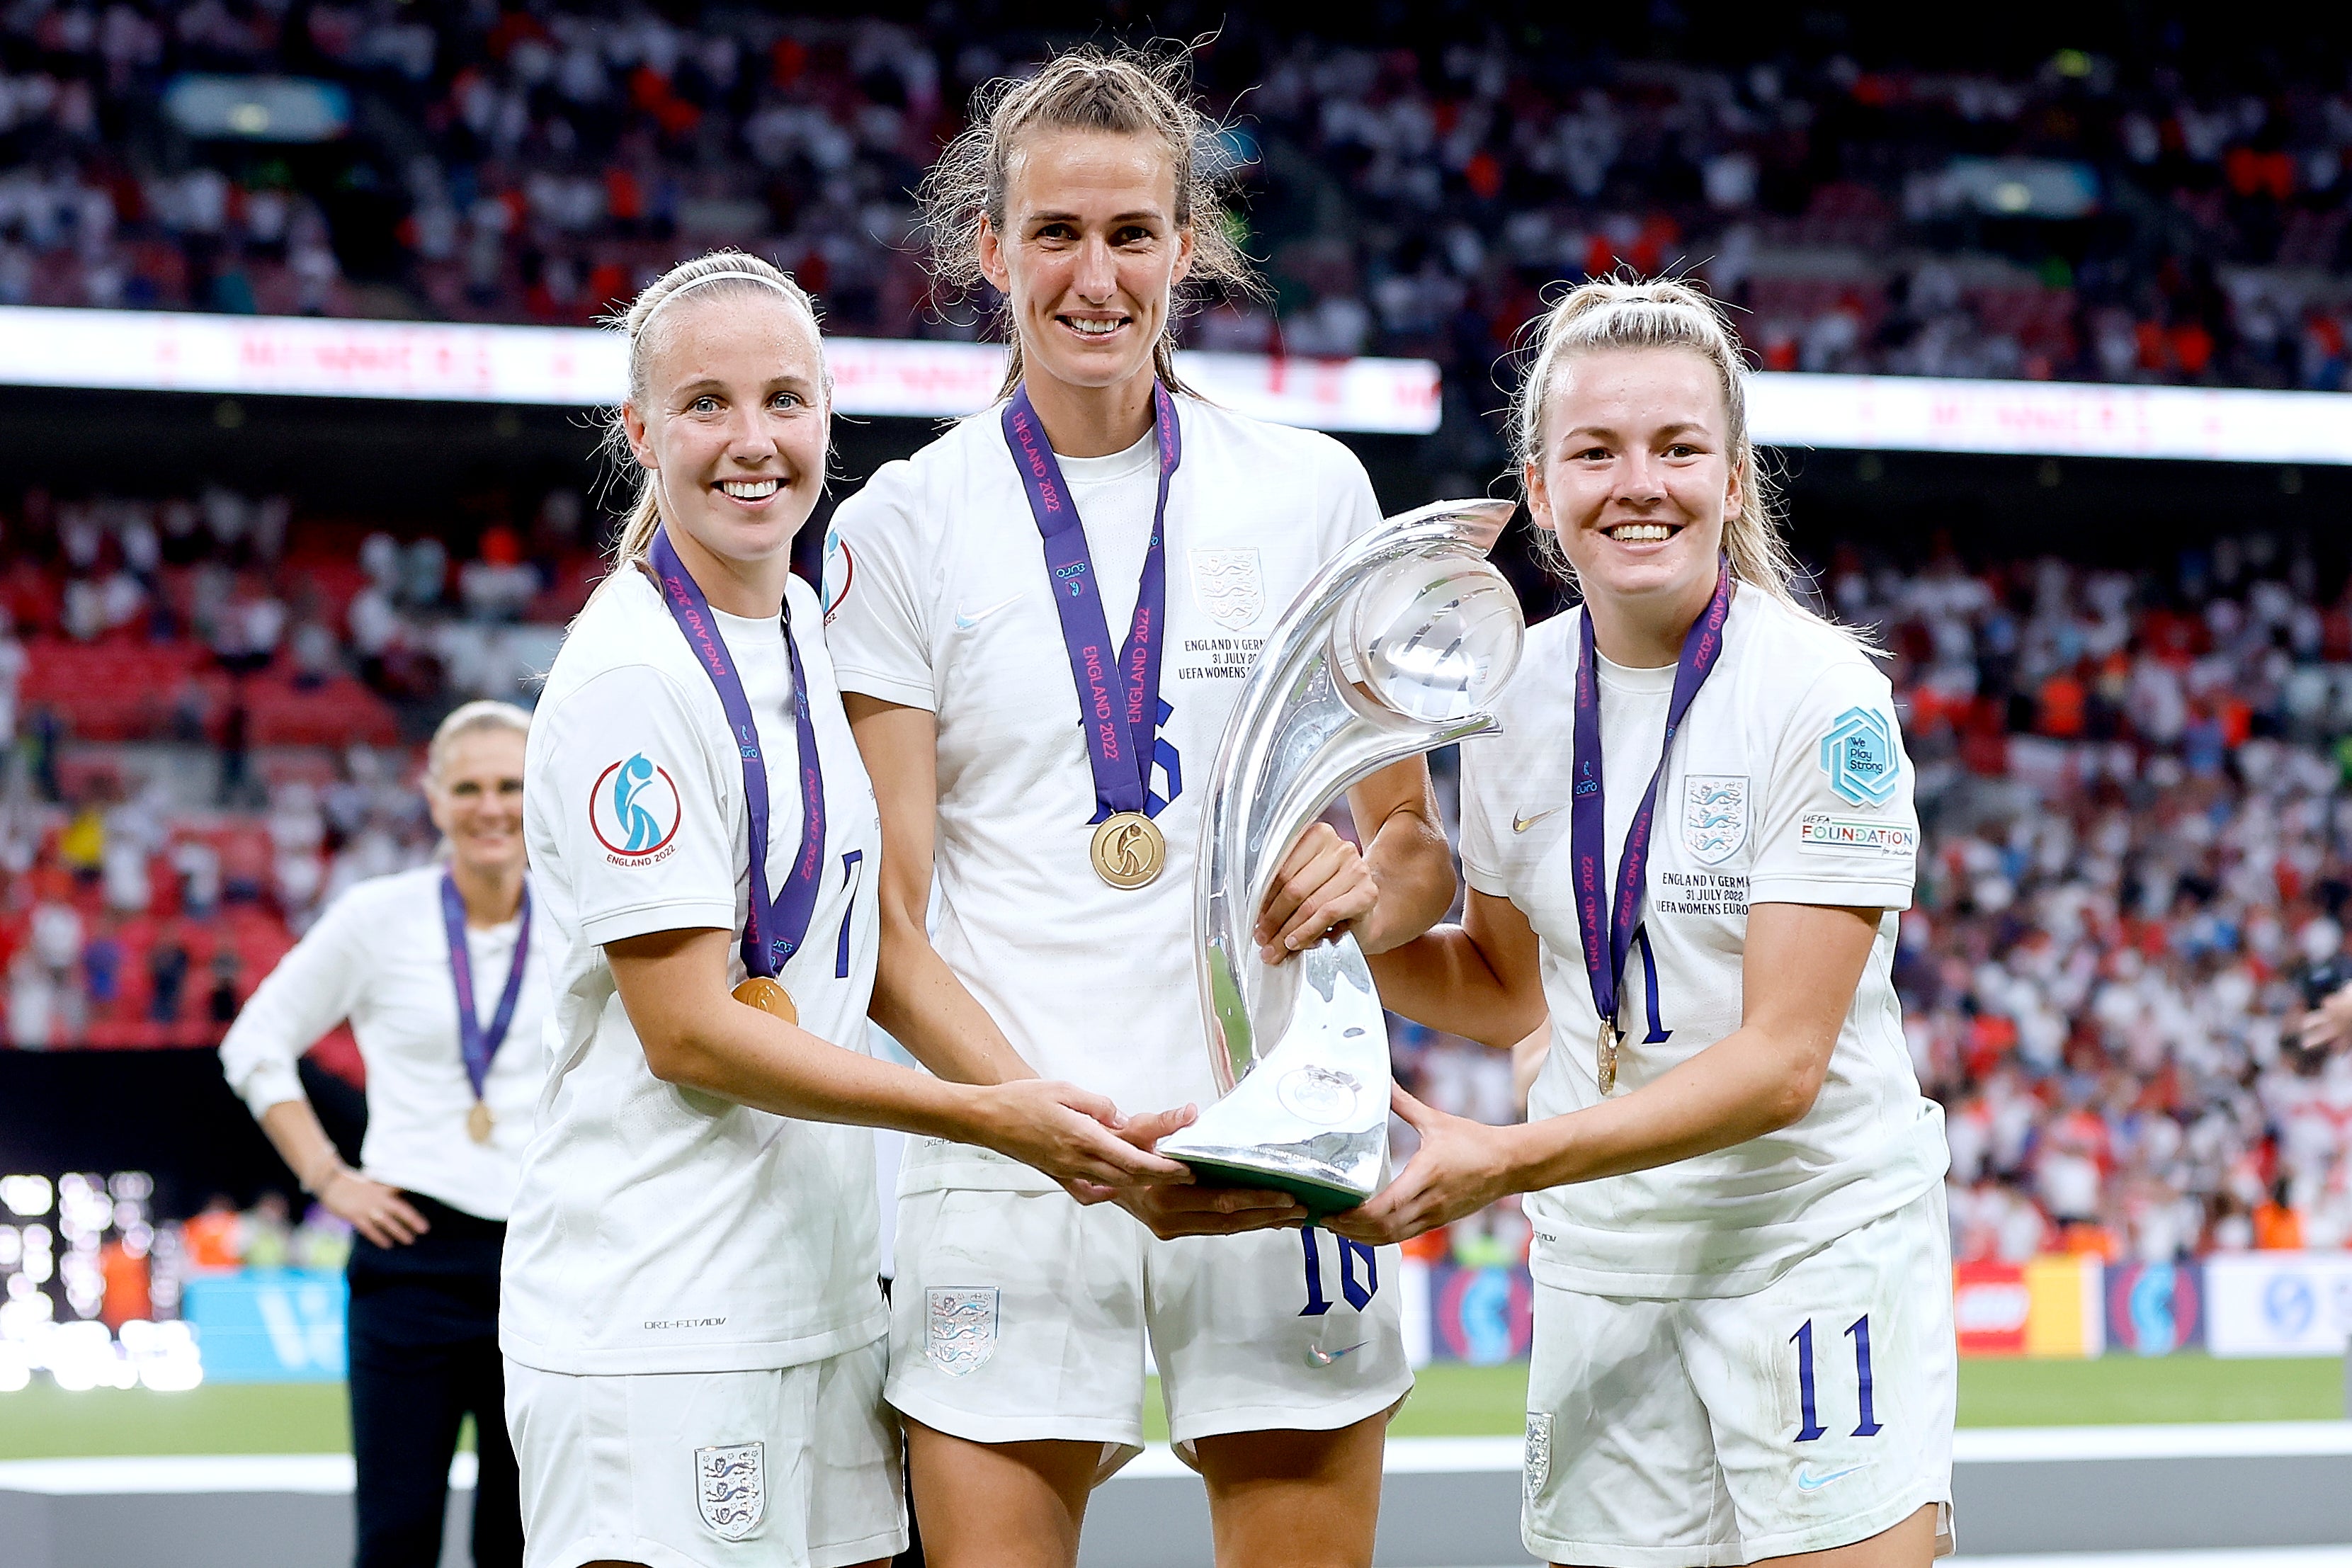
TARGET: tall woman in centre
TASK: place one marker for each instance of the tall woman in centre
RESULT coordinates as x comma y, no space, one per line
1039,622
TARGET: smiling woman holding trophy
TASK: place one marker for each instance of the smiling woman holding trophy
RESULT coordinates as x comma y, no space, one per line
1040,623
1688,846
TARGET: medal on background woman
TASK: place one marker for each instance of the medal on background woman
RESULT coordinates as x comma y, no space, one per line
1119,704
774,928
1608,926
476,1045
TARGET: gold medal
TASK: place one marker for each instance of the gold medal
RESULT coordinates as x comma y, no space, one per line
769,996
479,1123
1129,849
1606,1055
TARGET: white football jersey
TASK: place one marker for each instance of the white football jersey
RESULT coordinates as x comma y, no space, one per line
660,1229
1787,784
938,598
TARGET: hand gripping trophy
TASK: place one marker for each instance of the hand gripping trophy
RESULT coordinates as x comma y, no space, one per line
1399,645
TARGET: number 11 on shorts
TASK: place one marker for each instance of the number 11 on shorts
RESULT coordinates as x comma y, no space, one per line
1808,1401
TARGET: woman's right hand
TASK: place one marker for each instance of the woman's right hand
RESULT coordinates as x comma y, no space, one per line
1077,1137
377,1212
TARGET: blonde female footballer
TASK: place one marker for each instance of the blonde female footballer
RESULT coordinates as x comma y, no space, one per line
1689,846
1037,620
691,1322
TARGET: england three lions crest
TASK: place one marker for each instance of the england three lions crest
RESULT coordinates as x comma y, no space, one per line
1230,586
960,1327
731,1487
1715,815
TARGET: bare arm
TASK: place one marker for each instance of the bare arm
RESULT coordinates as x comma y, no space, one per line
698,1037
1481,980
917,997
1802,964
375,1210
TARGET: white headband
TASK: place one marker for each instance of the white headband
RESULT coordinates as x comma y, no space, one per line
713,277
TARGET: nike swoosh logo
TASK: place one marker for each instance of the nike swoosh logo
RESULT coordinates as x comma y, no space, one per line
1318,1356
965,623
1809,1483
1521,823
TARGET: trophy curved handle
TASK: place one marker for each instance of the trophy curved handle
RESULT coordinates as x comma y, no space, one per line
1397,646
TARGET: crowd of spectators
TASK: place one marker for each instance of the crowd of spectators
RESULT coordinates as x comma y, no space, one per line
2140,840
2168,215
207,727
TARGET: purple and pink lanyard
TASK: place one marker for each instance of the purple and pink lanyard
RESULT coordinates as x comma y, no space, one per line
774,928
1609,927
1119,697
477,1046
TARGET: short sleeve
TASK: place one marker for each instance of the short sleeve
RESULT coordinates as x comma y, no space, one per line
643,819
873,628
1482,858
1838,825
314,987
1350,509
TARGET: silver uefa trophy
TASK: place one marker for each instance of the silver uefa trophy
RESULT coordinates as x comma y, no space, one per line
1398,646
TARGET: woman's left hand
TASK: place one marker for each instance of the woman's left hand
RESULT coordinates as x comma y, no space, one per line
1460,1168
1323,885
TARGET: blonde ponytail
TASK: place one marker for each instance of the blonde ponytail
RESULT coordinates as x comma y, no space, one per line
1608,313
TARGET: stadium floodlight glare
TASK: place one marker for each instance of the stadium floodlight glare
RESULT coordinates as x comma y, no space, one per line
26,1197
160,351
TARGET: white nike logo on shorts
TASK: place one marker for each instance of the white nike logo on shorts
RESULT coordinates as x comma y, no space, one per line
1318,1356
966,622
1521,823
1812,1483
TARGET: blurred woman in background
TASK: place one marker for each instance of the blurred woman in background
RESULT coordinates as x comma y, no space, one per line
440,976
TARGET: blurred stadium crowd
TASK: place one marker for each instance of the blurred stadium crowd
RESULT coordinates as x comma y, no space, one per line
2138,834
2169,216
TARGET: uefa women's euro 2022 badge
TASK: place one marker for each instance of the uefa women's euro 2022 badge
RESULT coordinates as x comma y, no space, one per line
1715,816
960,1327
633,811
731,1487
1861,757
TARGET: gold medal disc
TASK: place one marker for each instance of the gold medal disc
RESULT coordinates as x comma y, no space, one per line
769,996
1607,1056
1129,849
479,1122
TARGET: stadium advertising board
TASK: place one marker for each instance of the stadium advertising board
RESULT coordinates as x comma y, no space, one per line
1481,1316
2155,1309
2055,419
155,351
270,1325
1990,1308
2278,1304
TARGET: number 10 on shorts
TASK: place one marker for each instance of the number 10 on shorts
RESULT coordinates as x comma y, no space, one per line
1359,1293
1809,1400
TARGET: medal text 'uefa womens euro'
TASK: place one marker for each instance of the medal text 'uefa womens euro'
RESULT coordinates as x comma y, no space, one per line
1609,926
1119,703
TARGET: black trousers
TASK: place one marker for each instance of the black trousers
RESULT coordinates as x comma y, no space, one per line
424,1354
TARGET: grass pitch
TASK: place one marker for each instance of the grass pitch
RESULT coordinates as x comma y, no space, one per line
42,1422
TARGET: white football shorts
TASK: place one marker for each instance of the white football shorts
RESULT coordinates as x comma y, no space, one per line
1688,1433
1019,1317
794,1468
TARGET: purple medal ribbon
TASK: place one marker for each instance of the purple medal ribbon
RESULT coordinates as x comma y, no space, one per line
1120,725
476,1045
773,930
1608,928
